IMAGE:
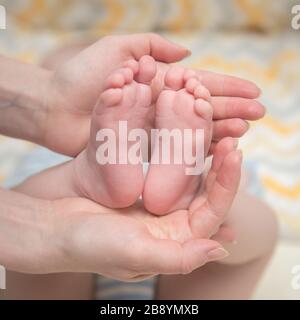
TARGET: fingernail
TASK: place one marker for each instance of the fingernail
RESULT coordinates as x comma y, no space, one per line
264,111
240,153
248,125
216,254
180,46
235,143
252,90
189,53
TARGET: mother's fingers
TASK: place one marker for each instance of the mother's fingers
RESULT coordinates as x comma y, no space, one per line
225,234
223,148
234,107
229,128
229,86
171,257
152,44
230,115
222,188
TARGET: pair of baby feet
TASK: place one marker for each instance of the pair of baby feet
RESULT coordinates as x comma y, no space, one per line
183,104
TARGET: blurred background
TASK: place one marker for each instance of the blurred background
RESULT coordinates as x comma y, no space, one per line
248,38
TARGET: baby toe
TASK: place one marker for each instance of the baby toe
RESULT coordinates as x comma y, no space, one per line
201,92
191,85
204,109
188,74
116,80
109,98
174,78
133,65
147,70
127,73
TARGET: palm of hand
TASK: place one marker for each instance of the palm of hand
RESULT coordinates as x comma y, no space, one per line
78,84
206,213
140,243
134,238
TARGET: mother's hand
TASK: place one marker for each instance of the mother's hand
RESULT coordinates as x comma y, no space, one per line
78,235
76,85
133,244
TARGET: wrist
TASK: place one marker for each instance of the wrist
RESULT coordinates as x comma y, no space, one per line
28,241
73,220
23,99
83,231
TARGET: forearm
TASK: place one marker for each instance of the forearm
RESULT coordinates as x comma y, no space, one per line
23,92
27,233
51,184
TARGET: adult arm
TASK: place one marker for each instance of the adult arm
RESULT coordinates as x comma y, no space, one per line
77,235
23,98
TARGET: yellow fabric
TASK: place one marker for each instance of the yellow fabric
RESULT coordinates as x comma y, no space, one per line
140,15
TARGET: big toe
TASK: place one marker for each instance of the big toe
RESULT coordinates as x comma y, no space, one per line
109,98
147,70
174,78
204,109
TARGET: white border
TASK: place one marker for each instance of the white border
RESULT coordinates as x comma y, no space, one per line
2,278
2,17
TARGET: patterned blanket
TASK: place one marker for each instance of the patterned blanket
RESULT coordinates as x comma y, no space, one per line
247,38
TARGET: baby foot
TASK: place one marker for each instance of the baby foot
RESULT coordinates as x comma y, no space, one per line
125,102
184,104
